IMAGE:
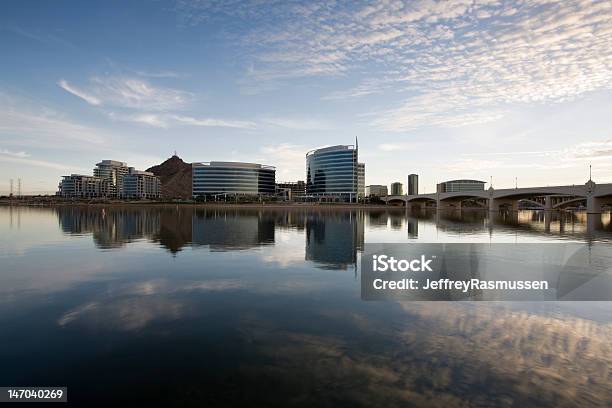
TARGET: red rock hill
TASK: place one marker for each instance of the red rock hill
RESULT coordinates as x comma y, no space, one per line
175,176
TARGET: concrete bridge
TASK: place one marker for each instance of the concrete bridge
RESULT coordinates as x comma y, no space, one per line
592,196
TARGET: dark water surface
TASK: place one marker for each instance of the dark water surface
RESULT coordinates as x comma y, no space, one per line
217,307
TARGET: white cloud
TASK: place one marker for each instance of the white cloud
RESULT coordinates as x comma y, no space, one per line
131,93
298,124
169,120
391,147
444,63
4,158
23,124
90,99
13,154
209,122
289,160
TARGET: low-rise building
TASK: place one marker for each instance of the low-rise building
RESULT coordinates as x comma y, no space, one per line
111,179
81,186
140,184
377,190
453,186
232,178
291,190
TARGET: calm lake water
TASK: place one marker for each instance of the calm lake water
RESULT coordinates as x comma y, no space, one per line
217,307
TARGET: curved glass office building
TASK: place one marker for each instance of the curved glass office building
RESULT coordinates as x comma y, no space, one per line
232,178
332,173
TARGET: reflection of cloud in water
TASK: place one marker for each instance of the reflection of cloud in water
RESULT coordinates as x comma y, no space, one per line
134,306
123,314
444,355
165,286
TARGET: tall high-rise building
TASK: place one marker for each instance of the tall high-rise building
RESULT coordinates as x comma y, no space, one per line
361,180
332,173
413,184
397,188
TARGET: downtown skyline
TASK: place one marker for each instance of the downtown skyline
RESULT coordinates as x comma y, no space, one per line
461,89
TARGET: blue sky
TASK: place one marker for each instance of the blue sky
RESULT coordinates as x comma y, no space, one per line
508,89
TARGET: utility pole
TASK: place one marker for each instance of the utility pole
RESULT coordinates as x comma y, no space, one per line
11,193
19,187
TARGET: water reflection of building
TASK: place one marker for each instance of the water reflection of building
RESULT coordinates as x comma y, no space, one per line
231,230
290,220
378,219
110,228
333,239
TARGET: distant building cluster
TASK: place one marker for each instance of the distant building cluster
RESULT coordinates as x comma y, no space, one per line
333,174
111,179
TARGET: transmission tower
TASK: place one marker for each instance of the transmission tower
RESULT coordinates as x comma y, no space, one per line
11,193
18,187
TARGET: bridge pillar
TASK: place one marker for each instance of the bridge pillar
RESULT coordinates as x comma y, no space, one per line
593,205
594,223
548,203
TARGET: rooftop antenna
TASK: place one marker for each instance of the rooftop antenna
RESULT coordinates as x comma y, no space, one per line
491,183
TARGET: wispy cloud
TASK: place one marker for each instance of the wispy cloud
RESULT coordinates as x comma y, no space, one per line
209,122
447,64
161,120
131,93
27,161
90,99
24,124
391,147
298,123
13,154
288,158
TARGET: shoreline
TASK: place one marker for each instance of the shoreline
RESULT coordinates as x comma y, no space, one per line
322,206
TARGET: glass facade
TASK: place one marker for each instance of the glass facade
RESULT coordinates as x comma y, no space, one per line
397,188
413,184
218,178
331,172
